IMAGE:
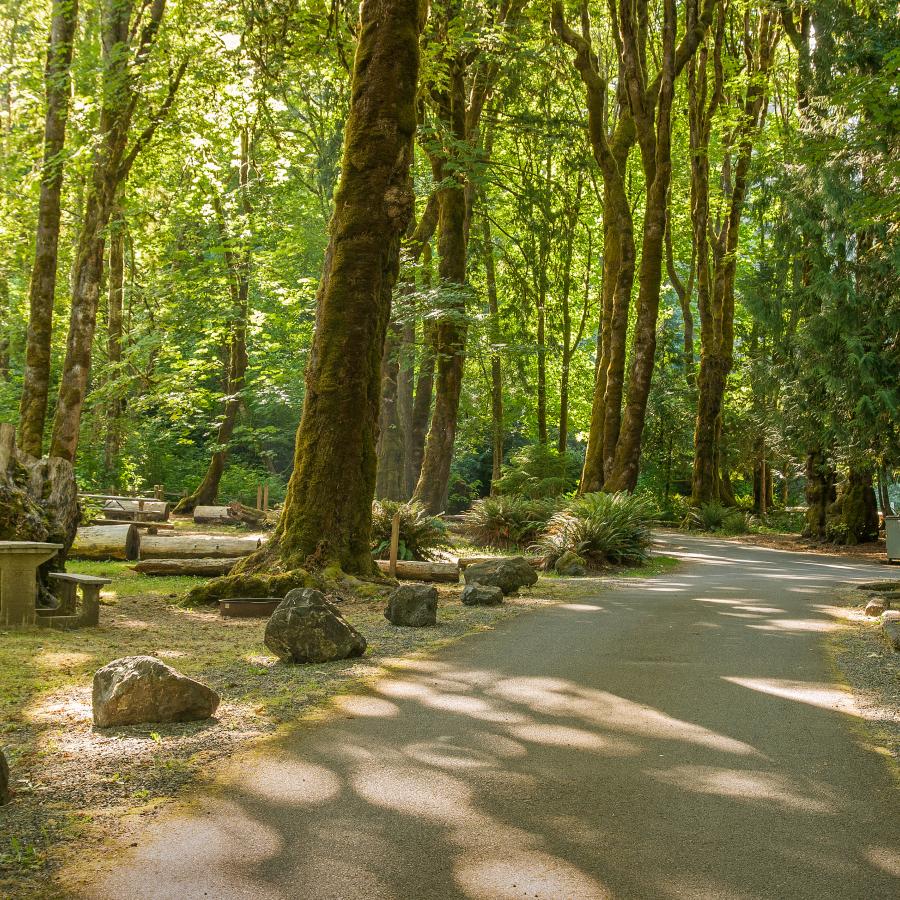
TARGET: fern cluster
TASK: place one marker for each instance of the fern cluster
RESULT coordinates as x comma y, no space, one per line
421,535
601,528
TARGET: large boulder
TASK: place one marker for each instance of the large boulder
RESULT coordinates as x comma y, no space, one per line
482,595
414,605
508,574
890,627
571,564
4,780
137,689
306,628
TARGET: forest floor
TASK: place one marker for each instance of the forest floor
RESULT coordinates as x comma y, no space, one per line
75,784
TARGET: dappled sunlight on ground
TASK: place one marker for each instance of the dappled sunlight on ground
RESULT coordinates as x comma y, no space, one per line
758,787
825,696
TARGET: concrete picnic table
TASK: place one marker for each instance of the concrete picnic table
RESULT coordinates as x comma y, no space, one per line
19,561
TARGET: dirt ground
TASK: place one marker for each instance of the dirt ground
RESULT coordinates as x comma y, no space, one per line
873,551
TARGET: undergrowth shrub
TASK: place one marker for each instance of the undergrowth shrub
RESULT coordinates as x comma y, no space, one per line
601,529
507,521
538,471
421,535
716,516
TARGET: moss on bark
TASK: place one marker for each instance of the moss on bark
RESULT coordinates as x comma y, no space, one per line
328,508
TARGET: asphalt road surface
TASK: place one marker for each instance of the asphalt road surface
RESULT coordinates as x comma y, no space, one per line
679,737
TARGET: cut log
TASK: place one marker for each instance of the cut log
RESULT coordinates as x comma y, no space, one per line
536,562
246,513
209,568
198,546
414,570
107,542
125,510
214,515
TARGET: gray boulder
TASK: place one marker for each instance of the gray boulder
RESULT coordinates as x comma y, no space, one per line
306,628
508,574
570,563
414,605
4,780
136,689
890,627
482,595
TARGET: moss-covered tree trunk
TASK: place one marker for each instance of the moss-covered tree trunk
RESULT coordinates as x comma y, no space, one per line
820,493
327,515
859,511
36,383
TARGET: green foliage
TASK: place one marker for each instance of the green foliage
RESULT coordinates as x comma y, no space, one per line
538,470
421,535
715,516
508,521
601,528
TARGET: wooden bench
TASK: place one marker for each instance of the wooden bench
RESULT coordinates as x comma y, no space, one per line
65,615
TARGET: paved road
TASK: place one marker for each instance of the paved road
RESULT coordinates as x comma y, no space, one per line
675,738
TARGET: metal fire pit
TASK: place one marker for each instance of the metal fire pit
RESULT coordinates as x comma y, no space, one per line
248,607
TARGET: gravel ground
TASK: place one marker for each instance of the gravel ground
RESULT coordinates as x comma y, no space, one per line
871,669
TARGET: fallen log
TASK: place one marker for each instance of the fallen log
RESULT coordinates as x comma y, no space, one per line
107,542
536,562
214,515
210,568
246,513
152,527
125,510
422,571
198,546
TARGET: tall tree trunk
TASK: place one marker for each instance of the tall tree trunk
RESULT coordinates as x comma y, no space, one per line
451,329
126,48
716,300
490,276
238,261
397,447
327,515
5,327
542,360
421,415
461,101
569,344
36,383
390,483
114,343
